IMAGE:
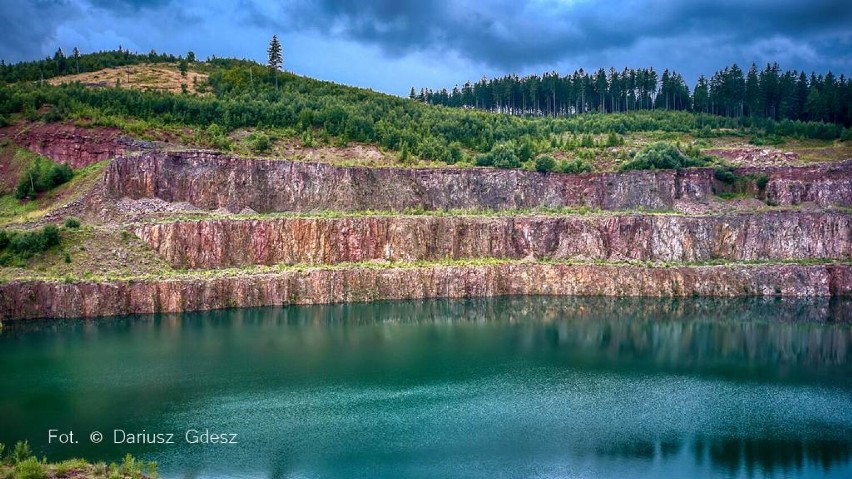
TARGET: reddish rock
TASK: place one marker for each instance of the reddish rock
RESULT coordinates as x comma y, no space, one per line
210,181
667,238
66,143
36,299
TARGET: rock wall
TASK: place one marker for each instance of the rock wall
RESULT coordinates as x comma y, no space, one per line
668,238
66,143
211,181
35,299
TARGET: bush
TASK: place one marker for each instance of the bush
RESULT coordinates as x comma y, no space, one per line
72,222
612,139
30,469
846,135
768,140
42,175
576,166
259,142
24,245
545,163
503,156
454,153
483,159
218,137
525,151
22,452
660,156
725,175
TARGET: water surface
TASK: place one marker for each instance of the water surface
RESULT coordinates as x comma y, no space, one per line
506,387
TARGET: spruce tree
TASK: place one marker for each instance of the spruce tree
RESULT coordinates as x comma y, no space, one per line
76,54
275,59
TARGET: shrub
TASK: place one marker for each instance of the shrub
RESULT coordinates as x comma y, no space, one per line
42,175
24,245
259,142
576,166
454,153
767,140
761,181
612,139
660,155
503,156
72,222
483,159
218,137
525,151
545,163
30,469
725,175
846,135
22,452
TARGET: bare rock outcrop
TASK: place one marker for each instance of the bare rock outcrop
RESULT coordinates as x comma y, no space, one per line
666,238
210,181
67,143
36,299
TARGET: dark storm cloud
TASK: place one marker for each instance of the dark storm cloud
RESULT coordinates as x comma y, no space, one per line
510,34
26,26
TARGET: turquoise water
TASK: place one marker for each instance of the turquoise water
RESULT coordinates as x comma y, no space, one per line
507,387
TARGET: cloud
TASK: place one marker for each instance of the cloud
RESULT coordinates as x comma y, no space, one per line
28,27
510,35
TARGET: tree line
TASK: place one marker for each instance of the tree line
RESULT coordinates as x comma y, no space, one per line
75,62
769,93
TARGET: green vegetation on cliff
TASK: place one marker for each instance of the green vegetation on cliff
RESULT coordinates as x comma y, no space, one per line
17,246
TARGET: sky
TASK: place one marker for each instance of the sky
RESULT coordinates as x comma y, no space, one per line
392,45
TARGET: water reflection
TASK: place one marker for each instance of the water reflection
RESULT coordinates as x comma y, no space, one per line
514,386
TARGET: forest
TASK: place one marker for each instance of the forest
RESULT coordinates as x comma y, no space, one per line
245,94
768,93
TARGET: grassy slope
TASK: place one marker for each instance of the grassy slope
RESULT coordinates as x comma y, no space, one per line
158,77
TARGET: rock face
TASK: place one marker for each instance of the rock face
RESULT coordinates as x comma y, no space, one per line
667,238
64,143
211,181
34,299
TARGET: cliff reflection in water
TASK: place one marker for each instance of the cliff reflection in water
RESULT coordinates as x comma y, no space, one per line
753,457
519,386
746,337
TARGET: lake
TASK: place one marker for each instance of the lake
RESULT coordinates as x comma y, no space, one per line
503,387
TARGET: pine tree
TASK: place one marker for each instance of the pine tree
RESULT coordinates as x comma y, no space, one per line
76,54
275,59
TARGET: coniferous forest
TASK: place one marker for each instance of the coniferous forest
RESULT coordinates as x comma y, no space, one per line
770,93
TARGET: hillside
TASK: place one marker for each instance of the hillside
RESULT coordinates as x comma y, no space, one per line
165,77
238,193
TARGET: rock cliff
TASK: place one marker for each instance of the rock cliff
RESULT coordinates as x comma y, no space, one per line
532,248
65,143
211,181
34,299
665,238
